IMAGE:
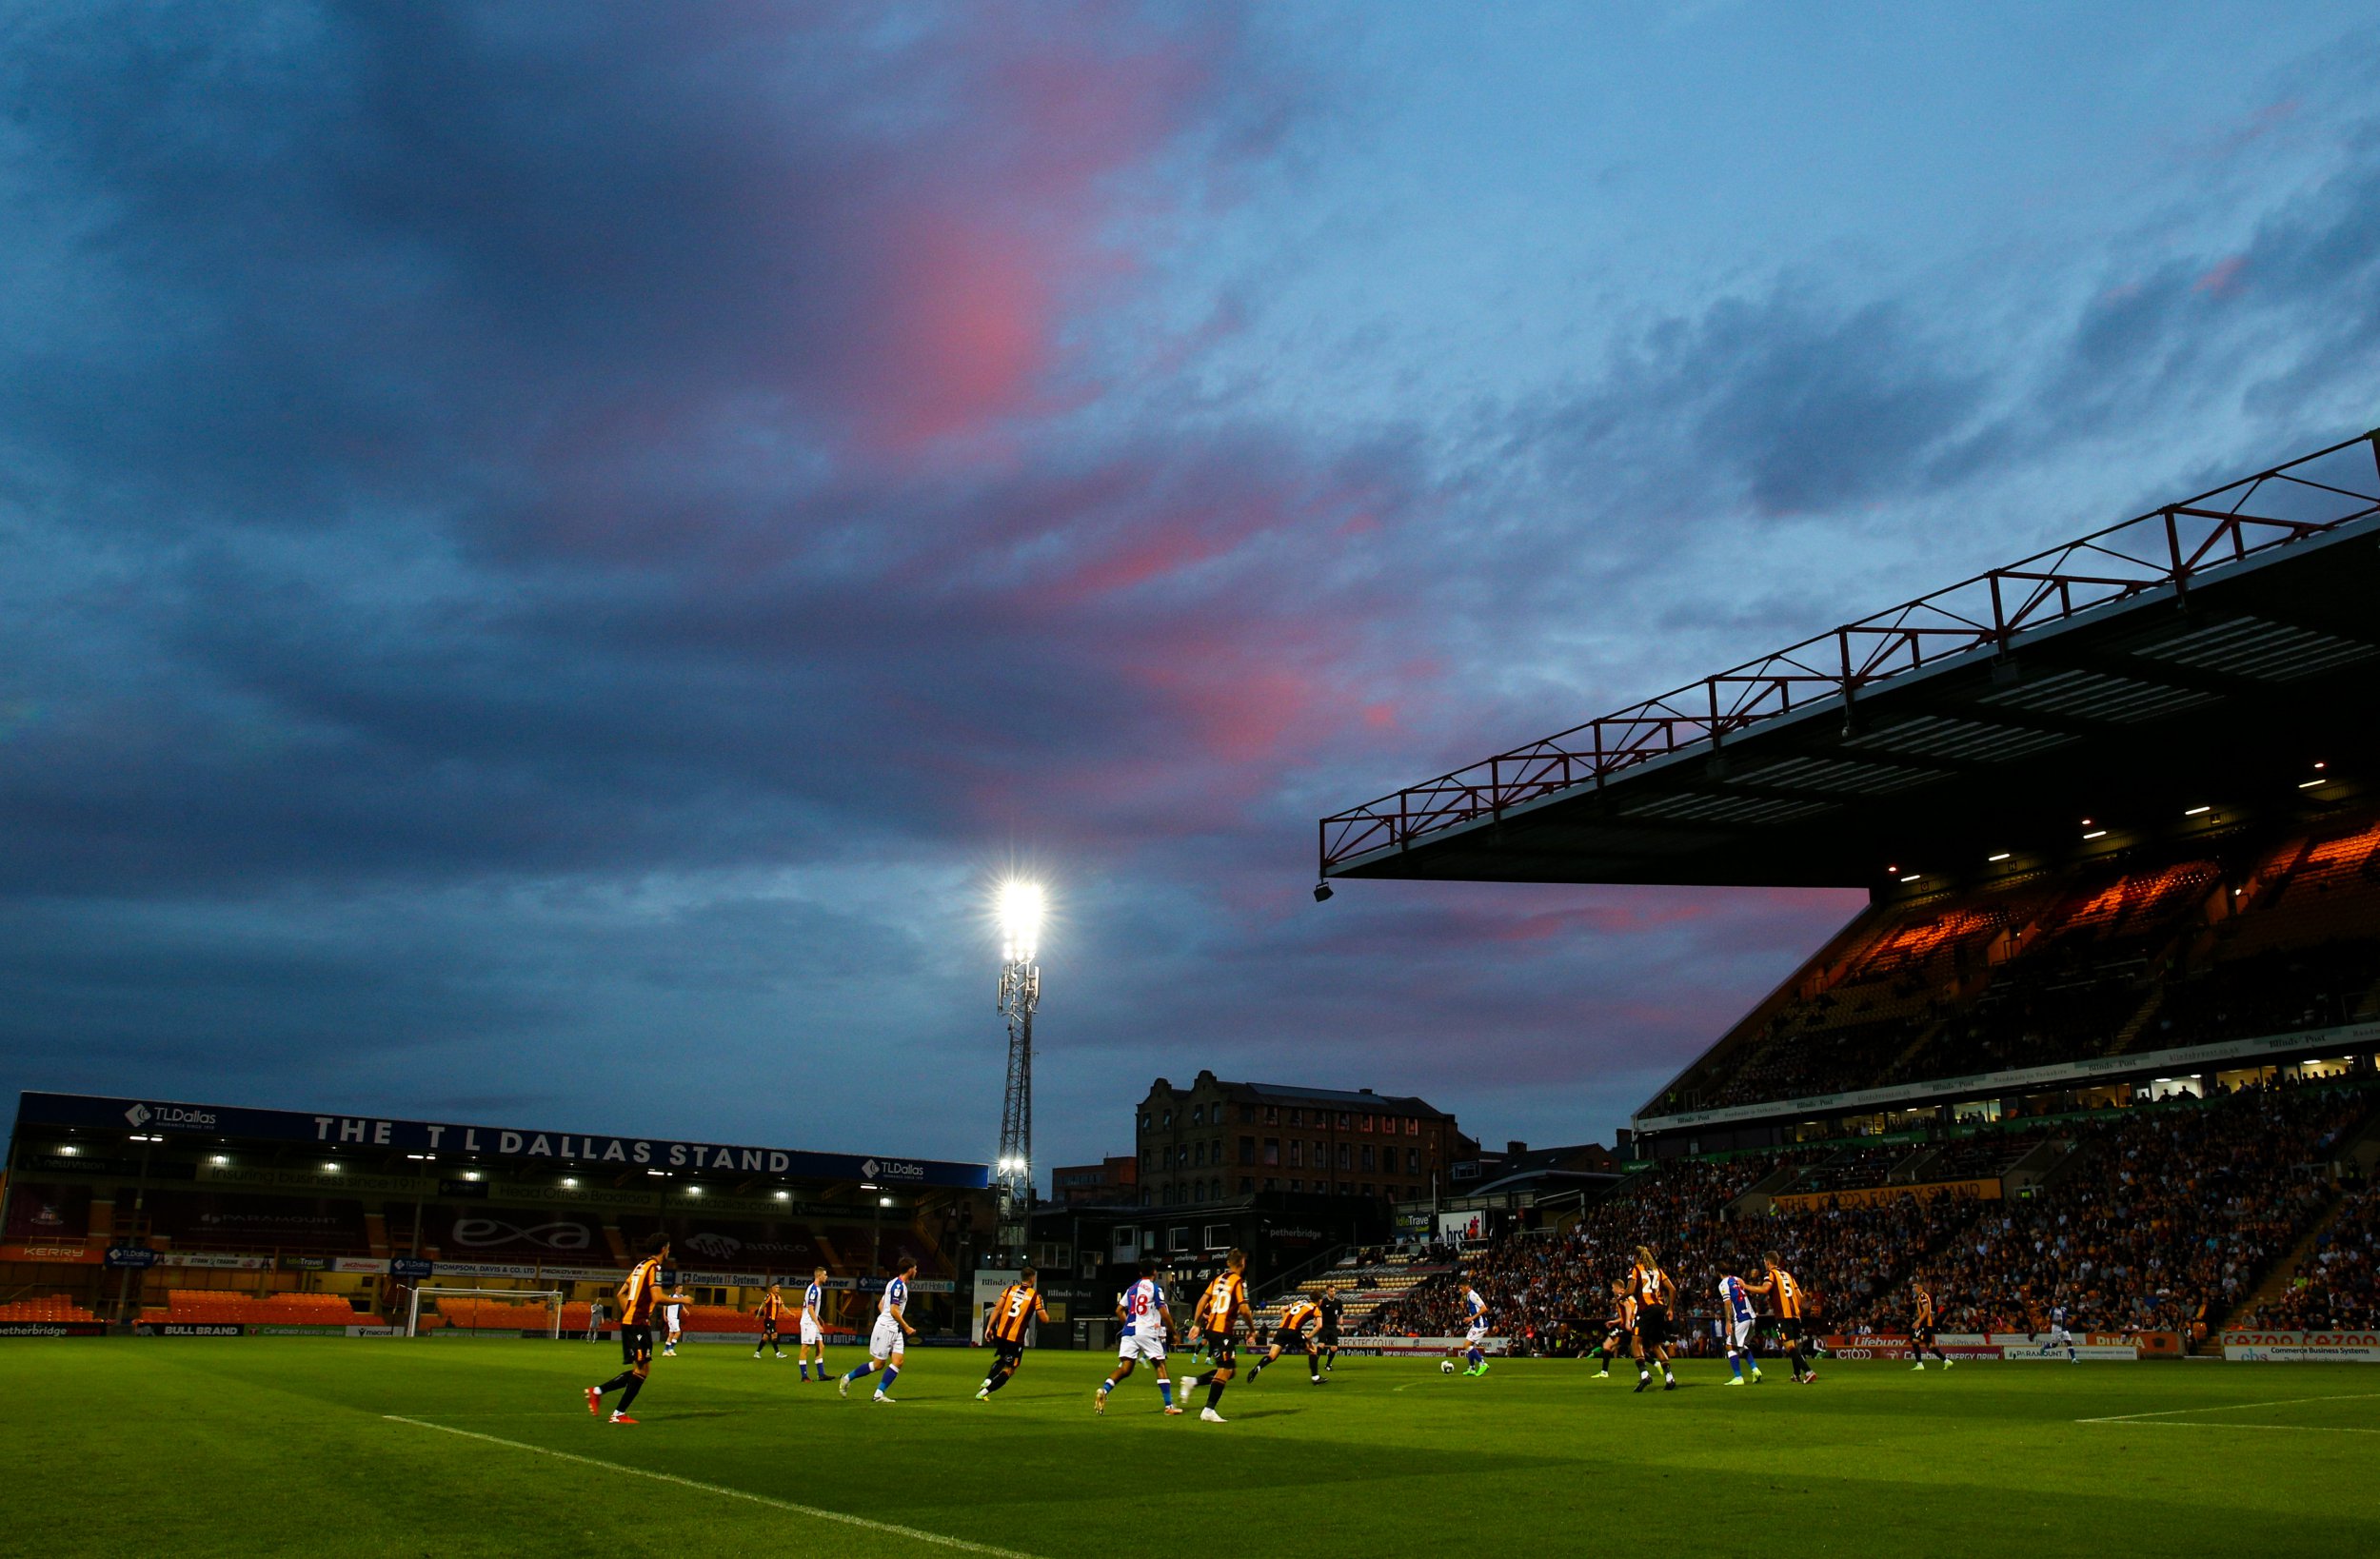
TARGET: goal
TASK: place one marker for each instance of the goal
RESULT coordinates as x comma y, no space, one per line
486,1311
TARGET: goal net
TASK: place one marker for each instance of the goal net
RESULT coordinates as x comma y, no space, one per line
510,1313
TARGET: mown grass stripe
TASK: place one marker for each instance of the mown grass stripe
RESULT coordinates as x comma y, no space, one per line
893,1529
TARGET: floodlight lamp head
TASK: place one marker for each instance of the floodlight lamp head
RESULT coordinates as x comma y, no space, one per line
1021,908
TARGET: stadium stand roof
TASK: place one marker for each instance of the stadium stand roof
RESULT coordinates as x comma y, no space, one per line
2207,655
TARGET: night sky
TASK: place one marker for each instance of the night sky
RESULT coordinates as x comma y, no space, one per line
551,556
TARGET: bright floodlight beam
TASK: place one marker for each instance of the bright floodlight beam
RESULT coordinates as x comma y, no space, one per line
1021,910
1021,905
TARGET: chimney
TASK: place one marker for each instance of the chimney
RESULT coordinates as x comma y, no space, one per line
1514,1150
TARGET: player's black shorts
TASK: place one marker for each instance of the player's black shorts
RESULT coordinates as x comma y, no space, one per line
1327,1337
1923,1335
1290,1340
768,1333
1621,1334
1222,1349
1009,1354
1788,1328
1653,1327
636,1343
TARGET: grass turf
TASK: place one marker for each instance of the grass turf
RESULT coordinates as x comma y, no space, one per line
287,1444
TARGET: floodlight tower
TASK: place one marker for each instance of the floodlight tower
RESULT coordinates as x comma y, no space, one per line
1019,994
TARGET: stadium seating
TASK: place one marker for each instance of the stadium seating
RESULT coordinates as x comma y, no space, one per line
56,1308
214,1307
2268,938
1365,1284
479,1313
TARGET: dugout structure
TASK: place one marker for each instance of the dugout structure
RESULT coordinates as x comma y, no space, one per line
2096,752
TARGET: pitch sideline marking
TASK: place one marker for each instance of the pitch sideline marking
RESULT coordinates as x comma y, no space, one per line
2149,1418
939,1539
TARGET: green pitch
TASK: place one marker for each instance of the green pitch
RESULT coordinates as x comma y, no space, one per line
306,1446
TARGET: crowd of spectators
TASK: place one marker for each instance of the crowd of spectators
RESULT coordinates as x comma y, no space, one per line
2336,1288
2165,1220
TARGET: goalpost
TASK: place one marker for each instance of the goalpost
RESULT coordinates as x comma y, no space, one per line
511,1298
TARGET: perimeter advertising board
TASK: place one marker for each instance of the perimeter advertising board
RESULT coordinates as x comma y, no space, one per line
2009,1346
1411,1346
2302,1347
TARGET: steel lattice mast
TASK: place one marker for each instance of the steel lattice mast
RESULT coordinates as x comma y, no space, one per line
1019,994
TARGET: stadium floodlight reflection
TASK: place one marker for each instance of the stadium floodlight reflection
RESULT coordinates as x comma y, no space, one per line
1021,906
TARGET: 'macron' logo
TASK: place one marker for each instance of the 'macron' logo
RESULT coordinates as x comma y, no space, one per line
138,1115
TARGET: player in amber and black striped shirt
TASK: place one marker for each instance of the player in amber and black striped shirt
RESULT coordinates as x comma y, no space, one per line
1787,1300
771,1310
1921,1338
1298,1325
1655,1296
637,1298
1620,1329
1018,1307
1223,1319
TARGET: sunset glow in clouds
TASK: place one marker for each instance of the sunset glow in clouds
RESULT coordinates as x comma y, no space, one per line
554,543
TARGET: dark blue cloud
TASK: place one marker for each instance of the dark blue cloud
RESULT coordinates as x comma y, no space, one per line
561,543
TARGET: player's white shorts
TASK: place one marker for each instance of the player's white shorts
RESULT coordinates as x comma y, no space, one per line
1739,1335
811,1335
1475,1335
886,1340
1151,1349
2057,1336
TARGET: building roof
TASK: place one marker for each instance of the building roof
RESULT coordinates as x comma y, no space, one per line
2208,652
1361,1098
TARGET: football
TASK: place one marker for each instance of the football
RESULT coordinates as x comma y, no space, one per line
1446,1367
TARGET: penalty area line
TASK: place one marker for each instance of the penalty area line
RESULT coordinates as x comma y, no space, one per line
890,1527
2155,1419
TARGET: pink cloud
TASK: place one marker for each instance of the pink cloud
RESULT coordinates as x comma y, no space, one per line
2223,279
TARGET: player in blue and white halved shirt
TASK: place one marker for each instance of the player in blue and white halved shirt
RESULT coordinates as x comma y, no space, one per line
1146,1318
887,1344
1475,1330
1739,1323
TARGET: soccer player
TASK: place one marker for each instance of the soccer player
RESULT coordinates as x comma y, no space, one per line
1654,1292
813,1326
772,1305
1788,1299
1018,1307
1621,1328
1475,1330
2057,1334
1921,1340
1222,1316
636,1332
1741,1322
888,1343
1327,1340
1148,1318
673,1320
1299,1324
